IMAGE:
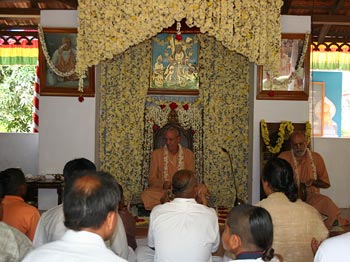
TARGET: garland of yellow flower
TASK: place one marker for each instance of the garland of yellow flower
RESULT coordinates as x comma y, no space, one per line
286,129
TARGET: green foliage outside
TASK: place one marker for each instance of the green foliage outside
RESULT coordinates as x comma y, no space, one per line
16,98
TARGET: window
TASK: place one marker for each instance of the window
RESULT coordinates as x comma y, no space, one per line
18,57
330,67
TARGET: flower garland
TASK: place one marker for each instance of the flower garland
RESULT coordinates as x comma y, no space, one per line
48,58
295,167
180,164
285,125
189,117
251,28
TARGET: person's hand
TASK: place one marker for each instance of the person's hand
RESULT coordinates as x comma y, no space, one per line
166,197
315,244
309,183
202,194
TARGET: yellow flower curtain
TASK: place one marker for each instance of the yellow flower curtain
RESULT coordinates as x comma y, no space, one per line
225,94
108,27
223,99
124,84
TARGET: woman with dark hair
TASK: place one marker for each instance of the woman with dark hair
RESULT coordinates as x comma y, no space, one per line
249,234
295,222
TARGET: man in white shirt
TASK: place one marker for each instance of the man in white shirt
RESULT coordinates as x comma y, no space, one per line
182,230
51,227
334,249
90,210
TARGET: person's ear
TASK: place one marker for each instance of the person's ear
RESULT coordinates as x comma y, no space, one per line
111,220
235,242
22,189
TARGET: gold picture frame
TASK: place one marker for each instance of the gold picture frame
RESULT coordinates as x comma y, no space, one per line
56,41
293,81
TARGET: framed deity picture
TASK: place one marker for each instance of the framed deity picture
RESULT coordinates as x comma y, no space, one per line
292,82
57,59
174,67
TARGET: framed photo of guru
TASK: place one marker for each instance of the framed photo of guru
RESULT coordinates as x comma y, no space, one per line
58,52
293,79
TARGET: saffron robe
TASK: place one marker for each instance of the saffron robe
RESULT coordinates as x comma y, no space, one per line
152,195
322,203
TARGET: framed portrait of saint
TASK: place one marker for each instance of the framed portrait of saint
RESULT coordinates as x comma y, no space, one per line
57,60
292,81
174,67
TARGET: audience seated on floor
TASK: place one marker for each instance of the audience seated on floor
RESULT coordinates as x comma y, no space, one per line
16,212
90,207
295,222
14,245
51,225
310,170
181,230
248,234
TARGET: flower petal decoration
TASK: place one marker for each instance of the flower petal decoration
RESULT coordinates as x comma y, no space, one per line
173,106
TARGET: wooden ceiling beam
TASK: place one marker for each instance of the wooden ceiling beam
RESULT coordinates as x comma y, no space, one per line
325,28
330,20
286,6
72,3
34,4
18,12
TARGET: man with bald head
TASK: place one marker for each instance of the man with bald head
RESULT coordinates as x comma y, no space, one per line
90,207
165,162
182,230
309,169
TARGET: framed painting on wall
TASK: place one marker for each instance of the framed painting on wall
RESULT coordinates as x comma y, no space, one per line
316,108
57,55
174,66
292,83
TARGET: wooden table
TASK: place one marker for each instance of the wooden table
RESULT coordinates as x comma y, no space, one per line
34,185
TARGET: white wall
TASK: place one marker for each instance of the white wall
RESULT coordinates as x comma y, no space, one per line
67,131
336,152
19,150
67,127
274,110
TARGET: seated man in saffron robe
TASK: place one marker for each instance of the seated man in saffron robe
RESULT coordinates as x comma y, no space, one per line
309,168
165,162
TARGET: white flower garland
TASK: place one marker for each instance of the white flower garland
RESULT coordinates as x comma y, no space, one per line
48,58
313,167
180,164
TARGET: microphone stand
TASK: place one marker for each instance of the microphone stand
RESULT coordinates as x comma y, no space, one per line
237,201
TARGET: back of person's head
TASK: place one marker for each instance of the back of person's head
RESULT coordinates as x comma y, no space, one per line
88,198
278,173
254,227
14,182
184,183
76,166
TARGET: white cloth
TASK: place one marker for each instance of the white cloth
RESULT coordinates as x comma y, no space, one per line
14,245
334,249
183,230
274,259
51,228
74,246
